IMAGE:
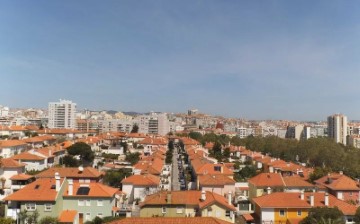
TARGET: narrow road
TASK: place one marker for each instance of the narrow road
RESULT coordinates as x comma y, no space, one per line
175,184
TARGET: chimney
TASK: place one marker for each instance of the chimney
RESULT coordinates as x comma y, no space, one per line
203,196
57,181
229,198
222,169
326,199
312,200
341,172
70,187
302,195
268,189
168,198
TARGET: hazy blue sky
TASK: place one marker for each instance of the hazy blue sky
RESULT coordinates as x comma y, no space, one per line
252,59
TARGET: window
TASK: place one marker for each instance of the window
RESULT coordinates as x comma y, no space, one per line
88,216
100,215
282,212
299,212
217,168
351,193
100,203
81,202
179,210
48,207
163,210
88,203
30,206
227,213
87,181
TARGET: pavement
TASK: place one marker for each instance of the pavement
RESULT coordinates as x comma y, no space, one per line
175,184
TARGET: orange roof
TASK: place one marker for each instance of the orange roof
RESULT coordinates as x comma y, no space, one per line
154,141
153,167
296,181
21,176
68,216
142,180
186,198
248,217
267,180
215,180
337,181
39,139
170,220
209,168
189,141
39,190
96,190
9,162
27,156
71,172
11,143
293,200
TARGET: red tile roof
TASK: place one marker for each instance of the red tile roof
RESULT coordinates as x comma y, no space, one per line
267,180
96,190
215,180
293,200
11,143
67,216
186,197
21,176
337,182
142,180
27,156
170,220
39,190
71,172
10,163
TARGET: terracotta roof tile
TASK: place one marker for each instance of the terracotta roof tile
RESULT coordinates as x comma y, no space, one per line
9,162
337,181
11,143
267,180
96,190
39,190
71,172
21,176
169,220
142,180
67,216
27,156
215,180
293,200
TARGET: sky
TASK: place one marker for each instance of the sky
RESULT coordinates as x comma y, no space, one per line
297,60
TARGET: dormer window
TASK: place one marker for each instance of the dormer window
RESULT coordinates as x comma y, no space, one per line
217,168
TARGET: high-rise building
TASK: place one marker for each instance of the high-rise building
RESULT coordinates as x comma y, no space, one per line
62,114
154,123
337,128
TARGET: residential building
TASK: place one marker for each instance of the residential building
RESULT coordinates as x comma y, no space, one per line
56,196
170,220
337,128
154,123
341,186
137,187
9,148
81,174
286,207
62,114
188,204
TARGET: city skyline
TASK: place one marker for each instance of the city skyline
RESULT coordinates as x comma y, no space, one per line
268,60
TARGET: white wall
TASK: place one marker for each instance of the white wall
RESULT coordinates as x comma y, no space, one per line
267,214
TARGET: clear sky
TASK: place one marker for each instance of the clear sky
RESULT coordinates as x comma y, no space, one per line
263,59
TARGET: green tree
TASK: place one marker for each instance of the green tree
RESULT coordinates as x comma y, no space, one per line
135,128
319,214
226,153
84,151
357,216
196,135
70,161
132,158
49,220
113,178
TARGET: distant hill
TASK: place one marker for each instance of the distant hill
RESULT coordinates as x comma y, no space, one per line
131,113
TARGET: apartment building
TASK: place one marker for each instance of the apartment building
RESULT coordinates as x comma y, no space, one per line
62,114
337,128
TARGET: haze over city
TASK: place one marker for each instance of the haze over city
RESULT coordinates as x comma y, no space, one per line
256,60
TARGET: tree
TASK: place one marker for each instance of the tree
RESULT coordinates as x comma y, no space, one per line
135,128
226,153
125,146
49,220
114,178
357,216
132,158
84,151
329,215
70,161
196,135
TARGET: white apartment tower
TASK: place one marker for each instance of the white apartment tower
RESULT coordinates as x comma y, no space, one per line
62,114
337,128
154,123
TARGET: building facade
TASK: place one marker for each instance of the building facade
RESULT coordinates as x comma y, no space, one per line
337,128
62,114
